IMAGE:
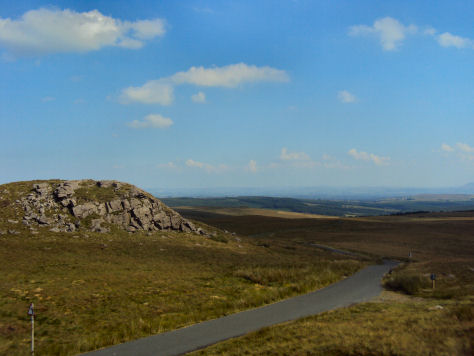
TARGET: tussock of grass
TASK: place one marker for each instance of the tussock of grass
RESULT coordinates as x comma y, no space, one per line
410,283
367,329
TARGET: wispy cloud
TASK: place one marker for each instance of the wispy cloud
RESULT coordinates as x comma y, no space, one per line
446,148
152,92
345,97
152,121
229,76
464,147
391,34
461,150
46,31
169,165
448,40
252,166
364,156
199,97
389,31
297,159
285,155
209,168
160,91
47,99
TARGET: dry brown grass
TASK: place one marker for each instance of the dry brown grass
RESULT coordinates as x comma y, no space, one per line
256,211
92,290
385,327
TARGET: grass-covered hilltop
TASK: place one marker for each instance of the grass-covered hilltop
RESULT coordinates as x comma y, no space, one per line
100,206
105,262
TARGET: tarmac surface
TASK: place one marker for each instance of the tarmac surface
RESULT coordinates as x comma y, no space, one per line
357,288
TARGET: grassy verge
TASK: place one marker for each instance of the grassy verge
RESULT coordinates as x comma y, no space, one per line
92,290
388,328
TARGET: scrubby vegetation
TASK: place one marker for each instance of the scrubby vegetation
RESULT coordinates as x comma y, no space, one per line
93,290
387,328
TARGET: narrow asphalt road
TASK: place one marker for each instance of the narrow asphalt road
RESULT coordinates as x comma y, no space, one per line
360,287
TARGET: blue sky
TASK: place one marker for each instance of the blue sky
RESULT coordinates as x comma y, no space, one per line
195,94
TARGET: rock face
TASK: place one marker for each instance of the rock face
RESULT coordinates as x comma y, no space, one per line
97,206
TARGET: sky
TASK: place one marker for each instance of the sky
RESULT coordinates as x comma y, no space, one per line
194,94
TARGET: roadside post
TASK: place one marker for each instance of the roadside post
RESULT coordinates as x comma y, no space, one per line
433,279
31,312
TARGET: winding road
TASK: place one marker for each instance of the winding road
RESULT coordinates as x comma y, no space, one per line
357,288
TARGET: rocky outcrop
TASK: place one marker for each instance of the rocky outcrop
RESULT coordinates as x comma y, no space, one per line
98,206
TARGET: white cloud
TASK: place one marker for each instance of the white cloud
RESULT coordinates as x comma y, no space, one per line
45,31
48,99
152,121
199,97
389,31
430,31
152,92
448,40
169,165
346,97
293,156
461,150
464,147
446,148
160,91
229,76
364,156
209,168
192,163
252,166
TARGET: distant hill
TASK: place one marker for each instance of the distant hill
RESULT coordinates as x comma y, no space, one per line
321,192
431,203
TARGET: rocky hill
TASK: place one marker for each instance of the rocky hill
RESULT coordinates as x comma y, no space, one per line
66,206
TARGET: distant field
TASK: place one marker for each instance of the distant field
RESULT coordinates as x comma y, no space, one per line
441,243
430,203
255,211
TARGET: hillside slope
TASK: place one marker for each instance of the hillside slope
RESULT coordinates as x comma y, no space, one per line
66,206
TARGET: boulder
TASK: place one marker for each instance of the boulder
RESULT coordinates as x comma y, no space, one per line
84,210
66,189
96,225
114,205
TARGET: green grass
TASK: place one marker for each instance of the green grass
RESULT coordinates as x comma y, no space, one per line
441,243
92,290
90,191
390,328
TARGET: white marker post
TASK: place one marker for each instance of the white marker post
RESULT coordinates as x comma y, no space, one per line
31,312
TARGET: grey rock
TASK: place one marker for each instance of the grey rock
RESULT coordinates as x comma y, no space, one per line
84,210
132,209
176,222
96,225
114,205
66,189
42,188
44,220
126,204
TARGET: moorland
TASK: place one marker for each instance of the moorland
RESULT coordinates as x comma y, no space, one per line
409,318
93,289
